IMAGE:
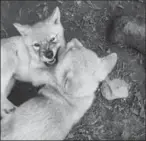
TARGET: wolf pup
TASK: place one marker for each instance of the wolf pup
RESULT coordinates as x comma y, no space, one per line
52,115
24,57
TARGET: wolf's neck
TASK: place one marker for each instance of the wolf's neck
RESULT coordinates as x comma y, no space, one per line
72,111
79,107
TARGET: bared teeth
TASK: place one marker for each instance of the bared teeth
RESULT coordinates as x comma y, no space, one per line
51,62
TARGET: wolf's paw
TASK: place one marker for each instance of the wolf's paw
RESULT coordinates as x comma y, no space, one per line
6,115
36,84
6,109
40,81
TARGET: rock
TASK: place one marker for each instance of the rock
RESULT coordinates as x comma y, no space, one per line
129,31
114,89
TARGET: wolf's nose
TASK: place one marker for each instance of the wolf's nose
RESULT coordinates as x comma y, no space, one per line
49,54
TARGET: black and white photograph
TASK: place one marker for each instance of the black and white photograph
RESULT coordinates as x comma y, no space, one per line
73,70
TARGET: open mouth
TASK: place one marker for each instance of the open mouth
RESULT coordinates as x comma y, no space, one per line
51,61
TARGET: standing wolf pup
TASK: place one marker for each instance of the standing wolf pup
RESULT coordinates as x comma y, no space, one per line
51,116
24,57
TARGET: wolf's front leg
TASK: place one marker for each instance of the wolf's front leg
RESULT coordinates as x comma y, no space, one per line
44,77
7,109
6,106
41,77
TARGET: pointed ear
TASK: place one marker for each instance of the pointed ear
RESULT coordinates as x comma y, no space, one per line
74,43
22,29
107,64
55,17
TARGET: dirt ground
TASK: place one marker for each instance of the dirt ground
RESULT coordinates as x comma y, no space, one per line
121,119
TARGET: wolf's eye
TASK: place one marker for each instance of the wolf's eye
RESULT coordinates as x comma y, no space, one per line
36,46
53,39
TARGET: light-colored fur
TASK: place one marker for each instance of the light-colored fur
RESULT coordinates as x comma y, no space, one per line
51,116
23,57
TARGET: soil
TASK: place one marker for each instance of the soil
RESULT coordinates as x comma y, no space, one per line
109,120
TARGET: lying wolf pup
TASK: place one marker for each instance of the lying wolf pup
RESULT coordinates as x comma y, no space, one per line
24,57
51,117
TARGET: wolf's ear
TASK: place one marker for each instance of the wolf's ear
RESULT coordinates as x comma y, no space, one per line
74,43
22,29
106,65
55,17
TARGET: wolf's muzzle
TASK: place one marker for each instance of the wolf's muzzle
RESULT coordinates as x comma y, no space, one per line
49,54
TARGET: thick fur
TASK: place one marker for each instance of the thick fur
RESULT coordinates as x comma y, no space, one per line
24,57
51,116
